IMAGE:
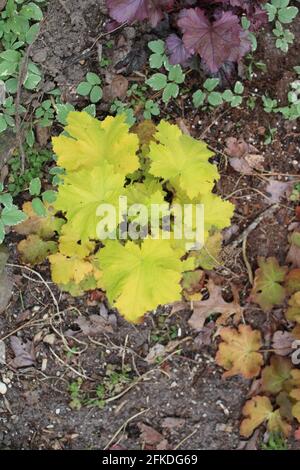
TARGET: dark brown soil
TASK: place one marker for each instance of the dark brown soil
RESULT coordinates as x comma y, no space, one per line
35,412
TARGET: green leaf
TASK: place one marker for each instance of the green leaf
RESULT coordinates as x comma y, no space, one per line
96,94
2,231
3,123
32,81
171,91
157,46
286,15
93,78
236,101
199,98
158,81
227,96
12,216
91,109
176,74
32,12
84,88
156,61
49,196
211,83
35,187
238,88
30,138
32,33
62,111
38,207
11,85
215,98
6,200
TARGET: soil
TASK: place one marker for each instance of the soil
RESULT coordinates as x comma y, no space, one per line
35,413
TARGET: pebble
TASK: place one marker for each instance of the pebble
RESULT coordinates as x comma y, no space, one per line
3,388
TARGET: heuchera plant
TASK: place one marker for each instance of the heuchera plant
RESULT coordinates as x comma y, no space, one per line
103,161
209,28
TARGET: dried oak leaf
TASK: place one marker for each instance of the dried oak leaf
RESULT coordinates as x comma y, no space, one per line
267,289
93,325
34,250
24,353
276,374
259,410
238,353
151,437
215,304
293,255
244,157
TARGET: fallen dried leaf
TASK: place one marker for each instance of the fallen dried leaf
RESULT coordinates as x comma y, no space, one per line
215,304
24,353
277,190
282,343
93,325
238,353
244,158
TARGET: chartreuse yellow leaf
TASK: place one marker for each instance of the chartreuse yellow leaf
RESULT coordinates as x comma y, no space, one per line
238,353
69,245
66,269
259,410
90,142
182,160
80,195
146,193
139,278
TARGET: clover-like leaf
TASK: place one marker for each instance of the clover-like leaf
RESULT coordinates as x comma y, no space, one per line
238,353
267,290
138,279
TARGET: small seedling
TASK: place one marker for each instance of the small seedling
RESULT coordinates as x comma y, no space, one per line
281,12
35,160
118,107
169,84
44,114
91,87
151,109
270,105
212,98
275,441
158,58
48,197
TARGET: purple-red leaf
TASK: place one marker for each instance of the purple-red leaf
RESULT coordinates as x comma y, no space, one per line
127,11
178,53
216,42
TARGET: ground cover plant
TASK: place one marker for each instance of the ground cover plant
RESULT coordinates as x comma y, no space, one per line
121,328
